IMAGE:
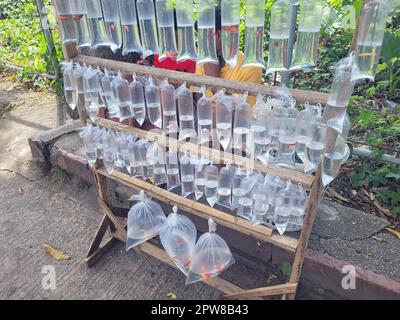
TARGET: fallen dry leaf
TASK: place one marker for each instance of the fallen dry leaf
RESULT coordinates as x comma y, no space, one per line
56,253
395,232
171,295
337,195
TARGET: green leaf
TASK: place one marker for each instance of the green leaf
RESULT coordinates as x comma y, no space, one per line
393,175
357,180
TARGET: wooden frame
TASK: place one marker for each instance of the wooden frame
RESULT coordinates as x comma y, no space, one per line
117,228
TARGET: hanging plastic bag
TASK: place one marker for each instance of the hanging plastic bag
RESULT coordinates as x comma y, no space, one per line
283,208
315,147
166,29
148,29
130,30
172,165
90,83
211,256
254,34
245,209
109,151
200,180
170,118
70,90
260,130
66,16
83,34
138,107
224,117
122,94
260,204
113,23
206,32
241,128
145,220
187,175
371,29
88,136
109,97
303,132
134,160
299,201
152,93
211,173
306,48
278,52
225,183
274,185
186,113
156,156
185,22
237,191
230,20
178,238
204,119
96,22
99,135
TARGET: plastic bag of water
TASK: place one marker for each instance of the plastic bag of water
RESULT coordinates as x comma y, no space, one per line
304,118
91,89
88,136
172,166
152,93
69,85
185,19
281,12
245,209
83,33
211,256
145,220
204,119
254,33
166,29
283,207
113,23
371,29
306,48
225,183
206,32
299,201
148,29
138,107
168,104
178,238
224,117
211,173
187,175
156,157
230,20
130,30
122,93
65,12
96,22
260,130
186,113
241,128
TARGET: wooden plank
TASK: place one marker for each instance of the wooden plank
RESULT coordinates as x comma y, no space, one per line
105,222
99,252
215,155
222,285
317,191
260,232
213,83
265,291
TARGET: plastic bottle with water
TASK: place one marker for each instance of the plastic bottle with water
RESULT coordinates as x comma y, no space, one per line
65,13
254,33
186,113
306,48
96,23
138,107
206,32
166,29
130,30
148,28
113,23
185,19
187,175
152,93
83,34
372,24
230,20
168,104
281,15
204,119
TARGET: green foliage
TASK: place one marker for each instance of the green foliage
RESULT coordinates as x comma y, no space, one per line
285,269
22,41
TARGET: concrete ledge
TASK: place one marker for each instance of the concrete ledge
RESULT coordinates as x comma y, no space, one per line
322,273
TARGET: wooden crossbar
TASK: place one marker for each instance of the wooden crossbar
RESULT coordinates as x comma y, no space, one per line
213,83
279,289
214,155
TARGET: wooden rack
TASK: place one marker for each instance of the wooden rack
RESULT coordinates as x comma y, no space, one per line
113,222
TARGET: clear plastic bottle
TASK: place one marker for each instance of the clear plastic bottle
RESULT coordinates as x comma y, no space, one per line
166,29
241,127
152,93
187,175
96,23
172,166
306,48
230,20
113,23
281,15
206,32
130,30
254,33
340,93
224,117
371,29
211,193
123,95
185,19
148,28
186,113
168,103
83,34
70,90
225,183
138,107
204,119
66,17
